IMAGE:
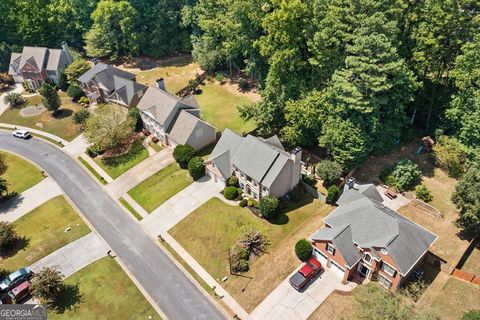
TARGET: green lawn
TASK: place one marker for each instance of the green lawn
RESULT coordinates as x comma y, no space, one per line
61,126
44,232
218,105
90,168
134,212
102,290
115,167
21,174
160,187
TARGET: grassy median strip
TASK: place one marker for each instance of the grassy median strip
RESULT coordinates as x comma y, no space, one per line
90,168
58,143
130,208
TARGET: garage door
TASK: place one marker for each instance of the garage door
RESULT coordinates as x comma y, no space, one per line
336,268
320,256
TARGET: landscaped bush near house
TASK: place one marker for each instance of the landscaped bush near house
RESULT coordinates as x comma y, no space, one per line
309,179
405,175
84,101
269,206
329,171
230,193
75,92
243,85
134,114
450,155
183,153
80,117
196,168
332,194
243,203
303,249
233,181
423,193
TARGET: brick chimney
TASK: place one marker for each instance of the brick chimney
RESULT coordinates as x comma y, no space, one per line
65,50
297,166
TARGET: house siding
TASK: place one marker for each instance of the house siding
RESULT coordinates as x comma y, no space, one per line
397,278
204,138
336,257
282,184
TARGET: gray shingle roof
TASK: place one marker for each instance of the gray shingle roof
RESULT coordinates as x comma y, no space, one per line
54,56
222,162
374,225
34,56
229,141
15,58
104,75
127,90
183,127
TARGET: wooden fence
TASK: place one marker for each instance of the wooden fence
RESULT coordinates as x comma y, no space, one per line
466,276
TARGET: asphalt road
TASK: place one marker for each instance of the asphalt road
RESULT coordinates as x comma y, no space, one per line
174,293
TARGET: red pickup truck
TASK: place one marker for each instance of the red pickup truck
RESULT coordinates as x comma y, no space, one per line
306,273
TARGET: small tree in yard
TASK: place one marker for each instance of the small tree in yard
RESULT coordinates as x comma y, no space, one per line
405,175
332,194
47,283
50,97
253,241
62,81
239,259
13,99
3,164
423,193
329,171
269,206
8,235
134,114
183,153
303,249
230,193
81,117
467,199
75,92
450,155
196,168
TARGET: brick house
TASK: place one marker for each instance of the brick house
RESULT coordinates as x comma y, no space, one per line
262,166
38,64
362,238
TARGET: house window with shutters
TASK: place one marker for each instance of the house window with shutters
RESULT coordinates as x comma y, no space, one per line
388,269
330,248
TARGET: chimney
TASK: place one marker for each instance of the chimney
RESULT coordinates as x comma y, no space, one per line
351,183
67,52
95,60
161,84
297,166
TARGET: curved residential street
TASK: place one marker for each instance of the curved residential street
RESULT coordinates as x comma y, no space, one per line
173,292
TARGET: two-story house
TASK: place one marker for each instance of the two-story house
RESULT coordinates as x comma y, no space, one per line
262,166
37,64
362,238
104,84
174,120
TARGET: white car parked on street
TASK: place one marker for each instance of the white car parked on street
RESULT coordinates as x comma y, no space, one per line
23,134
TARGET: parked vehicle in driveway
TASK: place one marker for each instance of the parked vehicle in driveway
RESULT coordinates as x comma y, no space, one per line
15,278
23,134
19,292
306,273
5,298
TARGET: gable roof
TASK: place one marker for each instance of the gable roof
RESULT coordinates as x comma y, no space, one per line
127,90
183,127
54,57
222,162
34,56
374,225
104,74
260,160
14,59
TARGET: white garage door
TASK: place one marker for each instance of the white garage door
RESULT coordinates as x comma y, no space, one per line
320,256
336,268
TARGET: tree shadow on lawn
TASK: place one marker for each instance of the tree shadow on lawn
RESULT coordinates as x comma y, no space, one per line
62,113
19,244
10,202
135,150
299,198
69,298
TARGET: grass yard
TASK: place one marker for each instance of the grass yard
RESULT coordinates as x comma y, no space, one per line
160,187
218,106
61,126
44,232
127,206
115,167
176,76
336,307
21,174
211,230
452,300
102,290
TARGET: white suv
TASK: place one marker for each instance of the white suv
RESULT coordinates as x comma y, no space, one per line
24,134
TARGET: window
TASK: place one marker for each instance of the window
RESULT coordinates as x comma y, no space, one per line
388,269
330,249
384,251
249,179
384,281
367,258
254,195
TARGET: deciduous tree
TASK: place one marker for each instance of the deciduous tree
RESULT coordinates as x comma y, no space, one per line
467,199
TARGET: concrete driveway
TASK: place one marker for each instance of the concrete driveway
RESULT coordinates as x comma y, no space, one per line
289,304
181,205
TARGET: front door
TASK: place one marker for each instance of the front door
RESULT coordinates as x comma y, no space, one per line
363,270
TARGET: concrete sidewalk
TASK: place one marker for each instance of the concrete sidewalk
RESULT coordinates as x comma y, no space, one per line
3,106
75,255
77,146
29,200
140,172
181,205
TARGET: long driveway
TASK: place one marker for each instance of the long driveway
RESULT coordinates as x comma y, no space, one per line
174,293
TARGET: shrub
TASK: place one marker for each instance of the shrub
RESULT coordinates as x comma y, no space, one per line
240,191
13,99
329,171
62,81
8,235
220,77
269,206
233,181
385,174
303,249
84,100
80,117
243,203
230,193
183,153
196,168
309,179
471,315
423,193
134,114
243,85
250,203
406,174
332,194
415,289
255,204
450,155
240,265
75,92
